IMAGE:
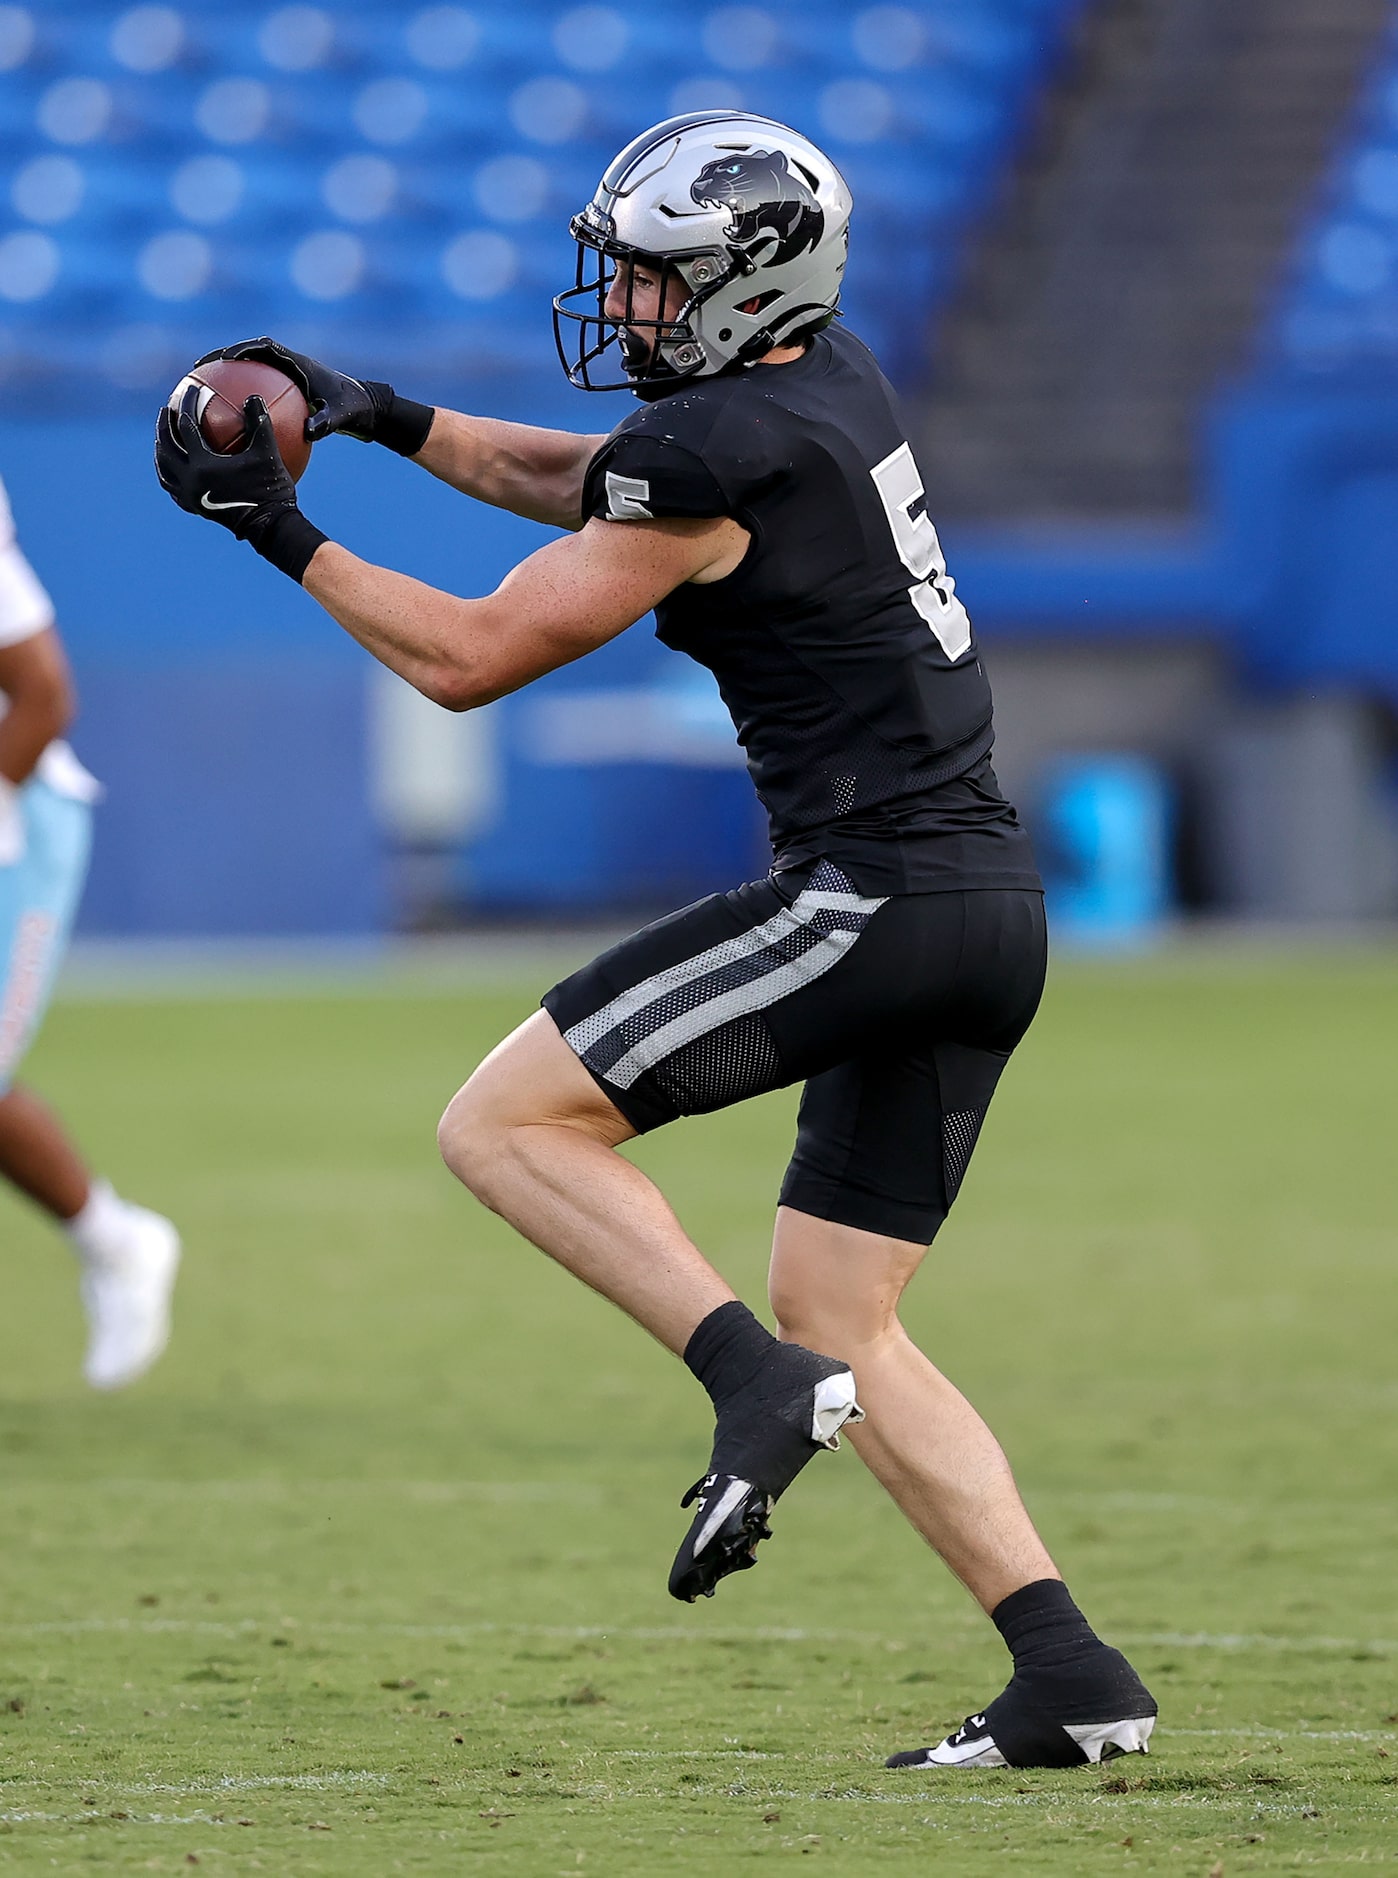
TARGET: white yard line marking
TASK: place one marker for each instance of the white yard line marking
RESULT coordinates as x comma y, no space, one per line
1229,1804
431,1492
29,1816
1163,1733
1212,1640
1126,1500
661,1633
277,1488
253,1783
566,1633
1286,1734
1056,1798
711,1754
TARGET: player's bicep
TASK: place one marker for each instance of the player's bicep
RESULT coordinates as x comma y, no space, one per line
577,593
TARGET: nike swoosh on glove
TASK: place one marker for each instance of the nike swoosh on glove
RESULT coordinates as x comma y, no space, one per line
247,491
351,407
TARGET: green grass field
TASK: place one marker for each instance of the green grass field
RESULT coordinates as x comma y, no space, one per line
369,1577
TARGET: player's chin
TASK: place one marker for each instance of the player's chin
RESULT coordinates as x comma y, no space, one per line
637,351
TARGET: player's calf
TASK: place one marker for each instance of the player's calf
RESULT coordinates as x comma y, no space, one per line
777,1406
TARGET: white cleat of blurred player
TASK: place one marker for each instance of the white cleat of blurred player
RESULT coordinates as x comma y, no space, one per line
130,1257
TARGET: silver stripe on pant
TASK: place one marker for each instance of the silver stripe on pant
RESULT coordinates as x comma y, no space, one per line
779,980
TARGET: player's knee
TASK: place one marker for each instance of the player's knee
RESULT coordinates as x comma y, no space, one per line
468,1139
836,1326
799,1317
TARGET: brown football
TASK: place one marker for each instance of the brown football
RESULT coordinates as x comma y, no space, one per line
230,383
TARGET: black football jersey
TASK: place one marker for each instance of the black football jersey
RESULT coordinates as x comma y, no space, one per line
839,645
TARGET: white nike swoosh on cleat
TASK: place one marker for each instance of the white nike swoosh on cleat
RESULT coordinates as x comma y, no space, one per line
205,503
980,1751
738,1491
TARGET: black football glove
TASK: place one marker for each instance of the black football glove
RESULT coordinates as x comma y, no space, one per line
248,491
362,408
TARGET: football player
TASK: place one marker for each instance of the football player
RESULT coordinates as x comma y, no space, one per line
763,499
127,1256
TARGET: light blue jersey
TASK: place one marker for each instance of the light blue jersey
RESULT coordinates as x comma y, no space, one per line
43,859
39,895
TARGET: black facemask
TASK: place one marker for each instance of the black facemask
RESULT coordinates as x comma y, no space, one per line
593,345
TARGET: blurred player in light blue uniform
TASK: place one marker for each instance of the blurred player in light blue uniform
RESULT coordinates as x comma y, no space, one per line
127,1255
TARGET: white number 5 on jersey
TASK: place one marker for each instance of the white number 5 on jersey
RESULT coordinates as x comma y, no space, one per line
627,497
934,596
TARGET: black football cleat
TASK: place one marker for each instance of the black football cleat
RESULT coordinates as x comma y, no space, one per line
1017,1731
795,1406
723,1538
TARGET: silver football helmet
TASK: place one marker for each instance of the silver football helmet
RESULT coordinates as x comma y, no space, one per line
747,216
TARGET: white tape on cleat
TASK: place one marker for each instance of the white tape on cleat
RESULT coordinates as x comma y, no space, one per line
1103,1741
834,1405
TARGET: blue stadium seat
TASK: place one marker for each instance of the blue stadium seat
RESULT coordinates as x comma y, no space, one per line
401,175
1337,310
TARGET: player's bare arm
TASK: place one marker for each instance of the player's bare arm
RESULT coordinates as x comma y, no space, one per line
34,679
567,599
531,472
562,602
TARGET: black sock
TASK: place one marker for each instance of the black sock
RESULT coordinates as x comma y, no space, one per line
1042,1627
727,1350
761,1392
1063,1670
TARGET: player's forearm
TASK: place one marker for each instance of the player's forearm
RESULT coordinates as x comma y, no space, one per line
39,703
530,471
24,736
423,634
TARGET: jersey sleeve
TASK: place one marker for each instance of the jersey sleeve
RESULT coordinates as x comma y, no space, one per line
637,478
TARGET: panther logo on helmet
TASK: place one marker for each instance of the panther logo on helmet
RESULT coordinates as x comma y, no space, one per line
764,195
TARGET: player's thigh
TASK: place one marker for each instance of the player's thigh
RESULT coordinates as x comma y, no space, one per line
38,897
529,1079
883,1142
784,979
884,1137
679,1018
958,967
